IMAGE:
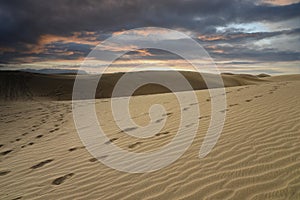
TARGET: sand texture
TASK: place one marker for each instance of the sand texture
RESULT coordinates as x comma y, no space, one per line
256,157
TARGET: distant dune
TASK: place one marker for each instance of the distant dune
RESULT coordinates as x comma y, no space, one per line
17,85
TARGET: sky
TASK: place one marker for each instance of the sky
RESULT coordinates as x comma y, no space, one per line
241,36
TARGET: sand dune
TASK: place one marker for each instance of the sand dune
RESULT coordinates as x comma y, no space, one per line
17,85
256,157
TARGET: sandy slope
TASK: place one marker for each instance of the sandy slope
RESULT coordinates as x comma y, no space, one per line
256,157
16,85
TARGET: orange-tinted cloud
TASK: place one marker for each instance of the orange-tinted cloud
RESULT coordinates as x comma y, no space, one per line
280,2
209,38
7,50
88,38
143,52
144,32
214,49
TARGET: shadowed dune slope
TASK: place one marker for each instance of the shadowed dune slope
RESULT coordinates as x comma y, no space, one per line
16,85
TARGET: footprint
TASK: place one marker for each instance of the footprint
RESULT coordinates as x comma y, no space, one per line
202,117
56,129
3,173
111,140
223,111
231,105
258,96
128,129
75,148
41,164
167,114
192,104
30,143
62,179
1,145
184,109
159,120
5,152
134,145
95,159
189,125
162,133
39,136
248,100
18,139
18,198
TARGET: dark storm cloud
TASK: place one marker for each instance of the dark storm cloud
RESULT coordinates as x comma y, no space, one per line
24,22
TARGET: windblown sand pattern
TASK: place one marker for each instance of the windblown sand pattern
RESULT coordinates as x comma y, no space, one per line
256,157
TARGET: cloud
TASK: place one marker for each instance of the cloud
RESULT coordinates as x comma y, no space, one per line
240,36
280,2
26,21
32,31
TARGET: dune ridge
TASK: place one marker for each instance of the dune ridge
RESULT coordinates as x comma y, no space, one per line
256,157
19,85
